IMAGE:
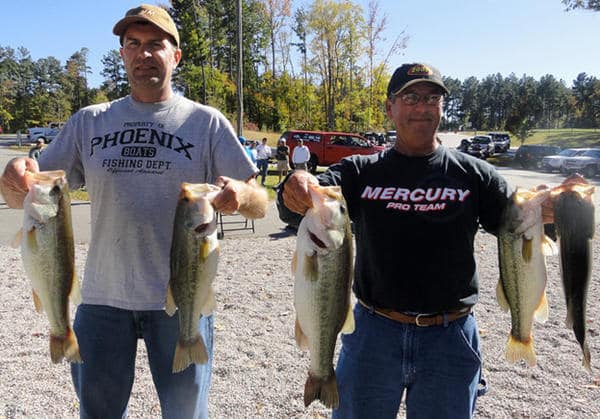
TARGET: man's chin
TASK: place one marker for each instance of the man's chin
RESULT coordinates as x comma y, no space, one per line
146,80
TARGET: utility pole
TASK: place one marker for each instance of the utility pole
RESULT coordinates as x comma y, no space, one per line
240,84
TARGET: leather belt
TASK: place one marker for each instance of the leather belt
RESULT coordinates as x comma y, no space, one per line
421,320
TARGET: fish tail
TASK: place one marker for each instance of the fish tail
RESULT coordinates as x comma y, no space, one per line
65,347
324,389
587,357
517,349
189,353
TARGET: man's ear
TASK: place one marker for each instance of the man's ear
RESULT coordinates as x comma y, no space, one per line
177,56
388,107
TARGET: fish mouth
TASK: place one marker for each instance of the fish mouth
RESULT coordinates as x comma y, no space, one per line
316,240
202,228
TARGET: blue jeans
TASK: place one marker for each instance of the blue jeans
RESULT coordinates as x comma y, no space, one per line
263,166
108,343
438,366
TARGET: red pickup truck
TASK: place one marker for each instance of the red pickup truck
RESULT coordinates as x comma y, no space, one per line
329,147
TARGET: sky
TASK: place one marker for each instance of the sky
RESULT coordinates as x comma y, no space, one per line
462,38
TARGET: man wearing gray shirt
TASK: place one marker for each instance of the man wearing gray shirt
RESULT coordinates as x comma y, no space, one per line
132,154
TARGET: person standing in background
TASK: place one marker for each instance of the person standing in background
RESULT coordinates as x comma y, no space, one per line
263,152
282,155
301,156
36,150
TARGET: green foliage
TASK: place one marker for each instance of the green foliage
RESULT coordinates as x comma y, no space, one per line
582,4
337,81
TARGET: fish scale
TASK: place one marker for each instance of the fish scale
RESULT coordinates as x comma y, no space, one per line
322,269
48,254
575,224
522,247
194,260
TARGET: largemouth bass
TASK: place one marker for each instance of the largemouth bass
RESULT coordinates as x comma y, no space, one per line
522,247
194,259
575,225
48,254
322,267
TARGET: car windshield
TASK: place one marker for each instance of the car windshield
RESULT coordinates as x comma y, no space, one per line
569,152
481,140
591,153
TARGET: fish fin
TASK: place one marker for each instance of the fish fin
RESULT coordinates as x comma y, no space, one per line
527,249
587,357
170,306
75,294
311,267
569,319
549,247
301,338
349,324
541,312
204,249
294,261
16,241
32,240
210,304
501,297
37,302
323,389
64,347
186,354
516,350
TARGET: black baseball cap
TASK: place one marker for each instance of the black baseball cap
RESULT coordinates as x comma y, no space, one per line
408,74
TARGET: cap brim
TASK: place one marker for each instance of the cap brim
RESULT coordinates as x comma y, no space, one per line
121,26
415,81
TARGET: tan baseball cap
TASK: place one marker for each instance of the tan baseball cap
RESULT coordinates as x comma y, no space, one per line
156,15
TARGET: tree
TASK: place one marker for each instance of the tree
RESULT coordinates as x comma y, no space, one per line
76,79
582,4
276,11
115,83
375,26
335,42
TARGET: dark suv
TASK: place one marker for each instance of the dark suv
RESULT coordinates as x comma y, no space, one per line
531,155
501,141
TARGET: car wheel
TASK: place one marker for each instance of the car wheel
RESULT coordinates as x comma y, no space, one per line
589,172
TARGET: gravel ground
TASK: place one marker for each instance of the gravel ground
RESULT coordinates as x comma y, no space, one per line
259,372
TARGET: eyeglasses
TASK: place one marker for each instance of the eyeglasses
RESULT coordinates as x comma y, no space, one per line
413,98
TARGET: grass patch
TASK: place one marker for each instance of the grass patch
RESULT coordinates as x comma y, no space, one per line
565,138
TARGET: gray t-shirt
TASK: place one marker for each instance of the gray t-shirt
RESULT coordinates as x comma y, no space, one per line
132,158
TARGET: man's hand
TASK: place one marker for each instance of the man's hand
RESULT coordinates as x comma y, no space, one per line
13,184
295,191
246,197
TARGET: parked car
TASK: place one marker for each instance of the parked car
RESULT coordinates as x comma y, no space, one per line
556,162
586,163
482,146
464,145
531,155
391,137
501,141
46,134
329,147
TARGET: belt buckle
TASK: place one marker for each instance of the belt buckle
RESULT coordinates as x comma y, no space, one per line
417,321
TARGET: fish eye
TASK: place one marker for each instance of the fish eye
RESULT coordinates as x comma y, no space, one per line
342,209
55,190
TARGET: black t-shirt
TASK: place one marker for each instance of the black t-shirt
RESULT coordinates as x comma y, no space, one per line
282,152
415,222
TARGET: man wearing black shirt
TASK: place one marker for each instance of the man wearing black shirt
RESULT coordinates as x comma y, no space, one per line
416,209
